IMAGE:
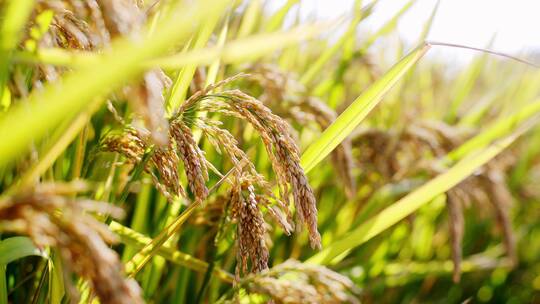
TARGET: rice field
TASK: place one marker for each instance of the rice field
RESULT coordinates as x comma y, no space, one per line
217,151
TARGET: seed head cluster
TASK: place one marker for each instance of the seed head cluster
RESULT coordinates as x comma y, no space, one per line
295,282
251,228
193,158
50,218
165,160
281,149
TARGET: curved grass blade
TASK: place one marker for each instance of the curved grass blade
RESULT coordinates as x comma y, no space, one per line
327,54
213,69
12,22
358,110
244,49
183,80
237,51
61,140
498,129
12,249
388,27
249,20
56,278
276,20
18,247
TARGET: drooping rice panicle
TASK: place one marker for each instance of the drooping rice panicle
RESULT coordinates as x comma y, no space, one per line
281,149
164,159
250,226
192,157
50,218
295,282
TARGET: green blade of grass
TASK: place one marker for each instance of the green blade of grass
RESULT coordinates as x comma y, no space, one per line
249,20
327,54
213,69
31,120
244,49
61,140
404,272
388,27
496,130
276,20
138,240
3,285
18,247
410,203
358,110
429,23
423,37
12,249
482,107
236,51
183,80
12,22
146,253
56,278
16,13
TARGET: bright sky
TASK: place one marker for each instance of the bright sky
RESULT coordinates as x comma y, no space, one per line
515,23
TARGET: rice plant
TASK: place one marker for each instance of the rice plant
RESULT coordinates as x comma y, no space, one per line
217,151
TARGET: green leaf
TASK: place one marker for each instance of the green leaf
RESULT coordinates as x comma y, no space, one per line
388,27
213,69
18,247
250,18
16,13
410,203
12,249
3,285
498,129
237,51
61,139
12,22
5,99
244,49
327,54
412,269
358,110
185,76
56,279
146,253
276,20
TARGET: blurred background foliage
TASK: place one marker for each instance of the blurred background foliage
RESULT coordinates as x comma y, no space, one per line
426,184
